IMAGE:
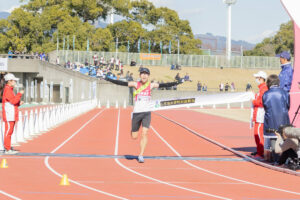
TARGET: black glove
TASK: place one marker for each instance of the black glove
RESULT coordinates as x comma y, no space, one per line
117,82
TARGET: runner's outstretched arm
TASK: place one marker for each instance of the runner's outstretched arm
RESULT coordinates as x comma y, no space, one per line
166,85
121,83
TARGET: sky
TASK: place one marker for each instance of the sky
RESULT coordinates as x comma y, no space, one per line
252,20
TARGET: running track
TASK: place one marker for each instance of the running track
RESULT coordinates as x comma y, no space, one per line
95,173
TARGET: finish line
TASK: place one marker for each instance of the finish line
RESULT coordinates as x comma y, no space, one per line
128,157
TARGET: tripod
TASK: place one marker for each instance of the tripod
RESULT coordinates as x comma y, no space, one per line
296,113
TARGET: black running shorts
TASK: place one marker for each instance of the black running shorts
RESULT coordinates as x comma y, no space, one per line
143,118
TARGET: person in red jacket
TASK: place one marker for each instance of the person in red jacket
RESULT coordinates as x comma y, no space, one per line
10,111
259,113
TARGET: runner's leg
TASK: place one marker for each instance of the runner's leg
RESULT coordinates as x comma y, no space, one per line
144,140
146,124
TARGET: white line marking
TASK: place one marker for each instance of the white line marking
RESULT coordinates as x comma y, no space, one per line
217,174
9,195
151,182
70,180
153,179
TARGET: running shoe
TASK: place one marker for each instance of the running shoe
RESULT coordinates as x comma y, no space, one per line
10,152
253,153
141,159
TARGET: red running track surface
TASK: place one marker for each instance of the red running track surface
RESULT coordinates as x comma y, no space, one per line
107,132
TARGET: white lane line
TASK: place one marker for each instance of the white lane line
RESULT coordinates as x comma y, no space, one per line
9,195
46,161
153,179
221,175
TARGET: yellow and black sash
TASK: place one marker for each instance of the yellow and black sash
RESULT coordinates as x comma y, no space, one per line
138,91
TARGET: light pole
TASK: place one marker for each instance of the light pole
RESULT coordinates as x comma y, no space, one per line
228,49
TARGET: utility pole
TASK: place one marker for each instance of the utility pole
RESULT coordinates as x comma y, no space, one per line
229,4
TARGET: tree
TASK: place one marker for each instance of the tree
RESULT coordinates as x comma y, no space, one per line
126,31
38,24
102,40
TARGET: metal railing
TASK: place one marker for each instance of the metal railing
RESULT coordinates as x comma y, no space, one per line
204,61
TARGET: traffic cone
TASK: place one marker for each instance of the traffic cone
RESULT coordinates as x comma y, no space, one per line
124,106
3,164
64,180
107,105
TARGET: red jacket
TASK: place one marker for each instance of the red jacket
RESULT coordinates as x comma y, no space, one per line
257,102
10,104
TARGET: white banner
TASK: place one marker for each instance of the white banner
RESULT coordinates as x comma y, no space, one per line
210,99
3,64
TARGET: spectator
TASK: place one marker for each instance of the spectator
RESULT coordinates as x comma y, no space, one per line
132,63
187,77
117,64
101,61
177,77
112,63
199,86
276,104
10,53
172,67
204,88
10,112
226,87
140,68
178,67
221,87
99,73
285,146
130,77
232,87
57,60
248,87
95,58
259,114
286,74
122,68
86,63
127,75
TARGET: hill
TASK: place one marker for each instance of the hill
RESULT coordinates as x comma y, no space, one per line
4,15
210,41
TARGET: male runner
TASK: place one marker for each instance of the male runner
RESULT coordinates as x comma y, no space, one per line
142,110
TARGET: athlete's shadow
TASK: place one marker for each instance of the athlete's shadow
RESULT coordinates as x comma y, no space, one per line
245,149
131,157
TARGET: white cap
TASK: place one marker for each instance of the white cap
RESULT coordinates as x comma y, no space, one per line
261,74
9,77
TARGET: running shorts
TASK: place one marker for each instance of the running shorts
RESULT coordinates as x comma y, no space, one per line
139,119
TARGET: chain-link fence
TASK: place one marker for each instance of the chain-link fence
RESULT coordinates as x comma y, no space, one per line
204,61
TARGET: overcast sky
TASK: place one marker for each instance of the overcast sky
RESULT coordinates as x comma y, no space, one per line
252,20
